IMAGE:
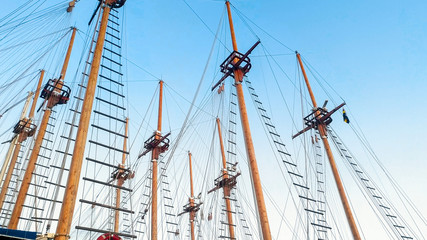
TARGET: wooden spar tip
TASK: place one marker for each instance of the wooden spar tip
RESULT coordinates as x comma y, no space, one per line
71,6
72,28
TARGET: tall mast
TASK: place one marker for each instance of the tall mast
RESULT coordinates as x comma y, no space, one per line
154,160
191,199
14,140
156,144
192,207
8,155
68,204
323,134
54,94
121,177
15,145
226,186
250,151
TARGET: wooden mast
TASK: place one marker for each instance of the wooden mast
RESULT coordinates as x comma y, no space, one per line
191,200
7,159
323,134
13,142
120,179
15,146
154,160
68,204
226,186
36,96
250,151
22,137
192,207
52,100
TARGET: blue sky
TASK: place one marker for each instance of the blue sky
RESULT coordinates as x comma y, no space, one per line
372,52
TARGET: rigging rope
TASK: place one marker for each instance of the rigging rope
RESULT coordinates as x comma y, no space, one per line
271,36
204,23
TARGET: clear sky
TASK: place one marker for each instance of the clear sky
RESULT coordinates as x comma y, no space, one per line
372,52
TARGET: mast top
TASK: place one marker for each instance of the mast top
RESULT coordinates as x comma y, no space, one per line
230,21
310,91
115,3
71,5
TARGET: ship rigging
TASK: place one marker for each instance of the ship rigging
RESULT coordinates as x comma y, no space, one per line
85,162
